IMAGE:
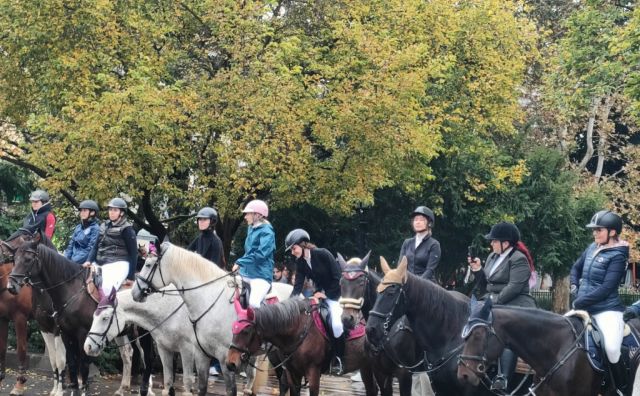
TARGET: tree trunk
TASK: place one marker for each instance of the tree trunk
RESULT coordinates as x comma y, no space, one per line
603,131
590,124
226,229
562,139
561,294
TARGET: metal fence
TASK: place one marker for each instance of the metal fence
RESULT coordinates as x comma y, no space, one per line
544,298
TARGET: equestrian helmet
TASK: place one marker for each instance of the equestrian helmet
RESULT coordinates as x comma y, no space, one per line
117,203
89,204
39,195
606,219
296,237
257,206
426,212
504,231
208,213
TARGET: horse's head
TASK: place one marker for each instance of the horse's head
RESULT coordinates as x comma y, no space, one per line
150,279
353,287
26,265
246,341
390,303
105,326
481,345
9,247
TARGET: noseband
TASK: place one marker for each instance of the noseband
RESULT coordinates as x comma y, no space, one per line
351,275
102,340
387,318
24,279
145,284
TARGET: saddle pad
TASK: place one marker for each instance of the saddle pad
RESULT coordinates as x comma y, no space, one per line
356,332
594,353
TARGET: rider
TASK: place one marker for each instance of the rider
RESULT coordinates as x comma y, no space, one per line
41,217
321,267
505,280
595,278
208,244
117,249
422,251
256,266
85,235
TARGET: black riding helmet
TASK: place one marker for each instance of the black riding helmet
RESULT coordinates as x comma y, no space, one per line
504,231
606,219
296,237
208,213
426,212
89,204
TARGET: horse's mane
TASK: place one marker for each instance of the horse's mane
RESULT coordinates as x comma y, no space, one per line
270,319
44,239
435,302
192,263
52,259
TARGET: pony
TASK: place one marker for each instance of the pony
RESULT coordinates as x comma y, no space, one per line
208,292
437,317
357,296
291,327
73,306
551,344
164,316
29,303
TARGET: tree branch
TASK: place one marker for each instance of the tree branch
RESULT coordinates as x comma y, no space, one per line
592,120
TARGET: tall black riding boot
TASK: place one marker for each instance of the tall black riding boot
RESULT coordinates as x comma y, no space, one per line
338,345
506,367
620,376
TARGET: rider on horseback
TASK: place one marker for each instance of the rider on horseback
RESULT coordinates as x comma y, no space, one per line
595,278
85,235
116,252
321,267
256,266
208,244
41,217
422,251
505,280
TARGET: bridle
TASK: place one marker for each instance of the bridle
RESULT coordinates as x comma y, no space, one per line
101,342
145,284
390,317
483,363
350,275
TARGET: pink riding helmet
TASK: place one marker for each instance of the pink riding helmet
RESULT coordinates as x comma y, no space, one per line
257,206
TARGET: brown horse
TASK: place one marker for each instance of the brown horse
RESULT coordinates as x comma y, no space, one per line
28,304
290,327
550,343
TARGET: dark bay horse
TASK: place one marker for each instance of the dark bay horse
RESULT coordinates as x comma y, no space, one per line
358,294
289,326
437,317
28,304
548,342
73,306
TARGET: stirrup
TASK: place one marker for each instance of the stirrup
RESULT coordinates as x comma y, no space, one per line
336,366
499,383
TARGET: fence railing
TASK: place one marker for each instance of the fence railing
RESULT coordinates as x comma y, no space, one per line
544,298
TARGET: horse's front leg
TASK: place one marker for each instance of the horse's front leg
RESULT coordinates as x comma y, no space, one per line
202,367
56,359
313,376
188,362
166,358
4,330
295,382
83,363
126,354
21,341
251,372
145,343
229,378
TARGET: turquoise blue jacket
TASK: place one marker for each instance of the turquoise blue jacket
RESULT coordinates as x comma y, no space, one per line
259,247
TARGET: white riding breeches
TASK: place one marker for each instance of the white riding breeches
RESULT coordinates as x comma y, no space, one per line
259,289
113,275
336,317
611,326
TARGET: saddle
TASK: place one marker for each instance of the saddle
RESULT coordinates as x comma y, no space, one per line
322,319
243,298
93,283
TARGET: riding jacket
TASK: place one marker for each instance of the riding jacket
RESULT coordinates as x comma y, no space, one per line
42,219
209,246
324,271
424,259
83,240
259,247
508,283
116,242
597,275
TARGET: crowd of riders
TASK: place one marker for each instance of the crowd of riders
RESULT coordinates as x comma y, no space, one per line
505,276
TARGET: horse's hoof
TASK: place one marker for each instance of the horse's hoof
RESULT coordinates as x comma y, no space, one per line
17,390
248,392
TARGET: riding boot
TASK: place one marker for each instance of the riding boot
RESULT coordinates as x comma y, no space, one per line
506,367
620,376
338,345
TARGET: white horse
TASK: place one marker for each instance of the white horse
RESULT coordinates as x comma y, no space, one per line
57,359
166,316
208,292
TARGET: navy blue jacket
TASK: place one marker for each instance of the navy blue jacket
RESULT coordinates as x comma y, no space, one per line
597,275
83,240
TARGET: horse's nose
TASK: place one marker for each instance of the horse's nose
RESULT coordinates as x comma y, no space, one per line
231,367
372,335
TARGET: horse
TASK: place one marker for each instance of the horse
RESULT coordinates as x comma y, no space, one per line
551,344
164,316
29,303
208,292
291,327
437,317
357,296
73,306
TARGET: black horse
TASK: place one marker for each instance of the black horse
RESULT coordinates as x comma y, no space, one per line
550,343
358,294
437,317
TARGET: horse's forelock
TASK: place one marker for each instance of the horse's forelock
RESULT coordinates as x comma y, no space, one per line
354,261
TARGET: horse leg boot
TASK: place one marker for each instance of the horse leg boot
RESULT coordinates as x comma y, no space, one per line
506,367
620,377
338,346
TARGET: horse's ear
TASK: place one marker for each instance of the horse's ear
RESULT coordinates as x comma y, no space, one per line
486,309
365,261
402,269
113,295
166,239
341,261
37,237
384,265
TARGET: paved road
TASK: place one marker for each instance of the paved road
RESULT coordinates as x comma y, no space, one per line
39,383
